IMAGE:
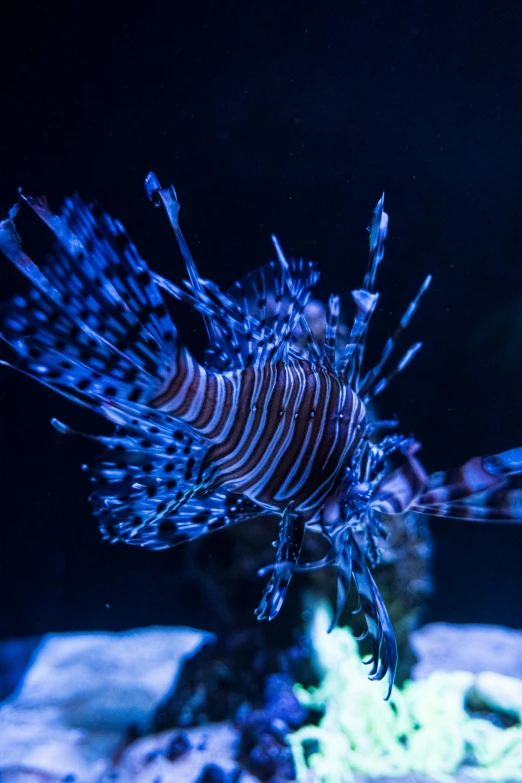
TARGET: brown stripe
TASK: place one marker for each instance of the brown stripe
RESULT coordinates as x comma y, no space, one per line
330,436
301,423
320,378
176,383
247,379
190,393
344,426
288,420
209,403
227,405
273,406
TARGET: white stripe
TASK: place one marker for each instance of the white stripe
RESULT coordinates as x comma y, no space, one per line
301,382
314,499
199,397
326,395
218,406
235,379
284,493
258,382
342,400
179,398
261,466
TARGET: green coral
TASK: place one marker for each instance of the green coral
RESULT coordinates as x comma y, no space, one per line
423,729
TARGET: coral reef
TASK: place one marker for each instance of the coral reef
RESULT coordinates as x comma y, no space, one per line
430,727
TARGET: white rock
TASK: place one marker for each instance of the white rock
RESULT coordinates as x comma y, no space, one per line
213,744
494,691
82,691
472,648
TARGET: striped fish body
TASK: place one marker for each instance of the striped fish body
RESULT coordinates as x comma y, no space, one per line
281,433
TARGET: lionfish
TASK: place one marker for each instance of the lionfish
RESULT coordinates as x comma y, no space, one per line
276,420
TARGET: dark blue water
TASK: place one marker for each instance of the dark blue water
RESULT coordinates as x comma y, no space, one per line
289,118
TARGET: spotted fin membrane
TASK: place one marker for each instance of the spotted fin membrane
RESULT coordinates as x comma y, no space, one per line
94,328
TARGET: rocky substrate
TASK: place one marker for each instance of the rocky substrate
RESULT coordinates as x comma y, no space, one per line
164,705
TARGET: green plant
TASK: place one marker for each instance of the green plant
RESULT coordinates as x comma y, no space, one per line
423,729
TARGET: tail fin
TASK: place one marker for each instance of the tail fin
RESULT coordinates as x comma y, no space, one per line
93,326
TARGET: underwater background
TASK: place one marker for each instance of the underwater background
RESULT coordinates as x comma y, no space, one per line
271,117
